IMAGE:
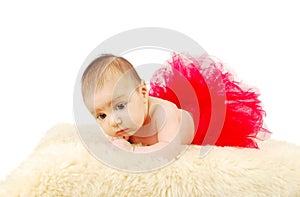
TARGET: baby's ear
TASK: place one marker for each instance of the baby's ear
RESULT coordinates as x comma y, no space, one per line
144,89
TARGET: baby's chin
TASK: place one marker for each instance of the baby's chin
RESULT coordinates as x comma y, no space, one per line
129,133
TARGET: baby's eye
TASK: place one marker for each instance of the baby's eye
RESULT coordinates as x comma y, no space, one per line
101,116
120,106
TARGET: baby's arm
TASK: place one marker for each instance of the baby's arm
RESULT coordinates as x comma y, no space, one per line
151,148
173,126
125,145
176,127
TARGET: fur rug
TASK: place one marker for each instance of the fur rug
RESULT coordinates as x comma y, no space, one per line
61,166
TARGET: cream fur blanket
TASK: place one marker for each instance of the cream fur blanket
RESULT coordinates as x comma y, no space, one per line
61,166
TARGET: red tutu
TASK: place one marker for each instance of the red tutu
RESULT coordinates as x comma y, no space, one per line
224,113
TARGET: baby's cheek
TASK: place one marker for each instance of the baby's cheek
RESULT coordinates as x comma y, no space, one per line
135,115
105,128
130,115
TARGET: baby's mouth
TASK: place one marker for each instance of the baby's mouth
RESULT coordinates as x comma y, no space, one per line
122,131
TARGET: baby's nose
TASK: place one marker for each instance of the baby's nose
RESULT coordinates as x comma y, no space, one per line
115,120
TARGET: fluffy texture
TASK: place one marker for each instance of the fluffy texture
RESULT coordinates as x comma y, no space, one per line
225,112
61,166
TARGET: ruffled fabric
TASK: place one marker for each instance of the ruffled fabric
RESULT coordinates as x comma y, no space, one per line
225,112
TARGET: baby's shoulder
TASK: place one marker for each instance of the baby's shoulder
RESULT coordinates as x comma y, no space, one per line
159,106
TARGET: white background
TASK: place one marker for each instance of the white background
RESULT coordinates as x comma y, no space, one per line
42,47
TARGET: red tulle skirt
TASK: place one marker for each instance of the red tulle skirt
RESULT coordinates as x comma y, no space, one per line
225,112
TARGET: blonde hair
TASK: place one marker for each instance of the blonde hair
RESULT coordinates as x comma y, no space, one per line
100,70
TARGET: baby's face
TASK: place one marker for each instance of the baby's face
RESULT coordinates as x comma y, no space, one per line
120,107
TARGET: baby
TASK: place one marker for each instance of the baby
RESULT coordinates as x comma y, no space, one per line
118,98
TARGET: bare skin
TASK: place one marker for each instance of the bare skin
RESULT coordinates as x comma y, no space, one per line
128,115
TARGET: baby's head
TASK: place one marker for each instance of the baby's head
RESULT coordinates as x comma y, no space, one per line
115,94
101,71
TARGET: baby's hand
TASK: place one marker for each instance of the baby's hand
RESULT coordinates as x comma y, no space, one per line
120,137
122,144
